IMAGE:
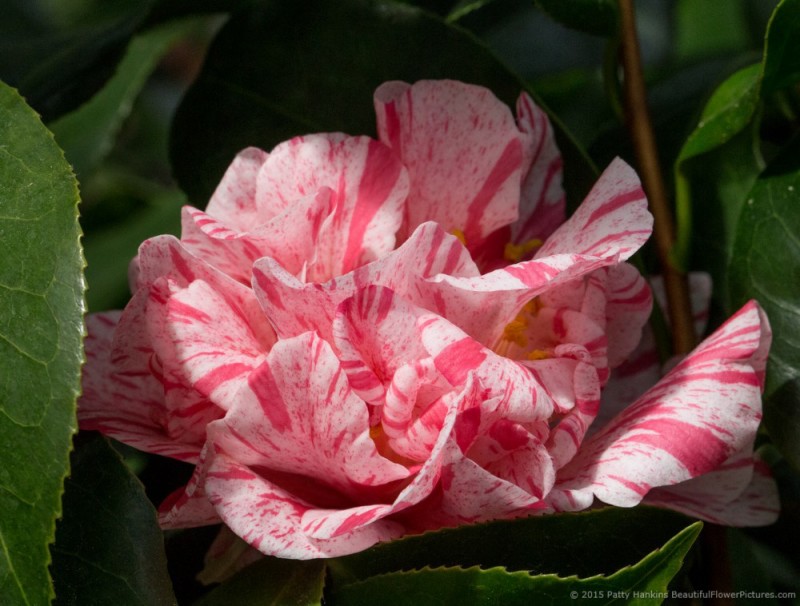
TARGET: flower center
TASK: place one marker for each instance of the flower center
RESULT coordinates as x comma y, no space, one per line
381,440
516,252
460,235
513,343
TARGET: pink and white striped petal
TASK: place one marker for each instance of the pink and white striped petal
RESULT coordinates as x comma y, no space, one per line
270,518
741,493
458,357
294,307
122,395
612,221
189,507
375,334
611,224
166,256
462,150
234,201
642,368
410,501
290,237
471,493
629,303
706,410
542,200
210,344
297,414
369,186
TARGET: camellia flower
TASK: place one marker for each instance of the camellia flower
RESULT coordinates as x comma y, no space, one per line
361,339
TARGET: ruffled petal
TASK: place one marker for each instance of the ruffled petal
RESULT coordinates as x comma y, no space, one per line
291,237
611,224
270,518
234,200
706,410
542,202
612,220
212,346
369,186
297,414
740,493
462,150
294,307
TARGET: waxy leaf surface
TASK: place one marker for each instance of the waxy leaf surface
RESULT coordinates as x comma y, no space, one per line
41,298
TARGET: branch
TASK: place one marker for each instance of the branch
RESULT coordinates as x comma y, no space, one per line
718,572
641,130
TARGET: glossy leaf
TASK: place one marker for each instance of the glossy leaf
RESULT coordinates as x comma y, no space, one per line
709,27
643,583
41,298
766,265
729,112
109,548
87,134
60,63
782,52
725,118
272,582
600,17
311,78
607,540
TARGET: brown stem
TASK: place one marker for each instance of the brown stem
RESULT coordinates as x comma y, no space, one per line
718,571
641,130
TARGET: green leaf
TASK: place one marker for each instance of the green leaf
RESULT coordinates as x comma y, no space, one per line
109,548
41,326
782,52
709,27
87,134
285,69
58,65
729,112
766,265
643,583
599,17
721,137
271,582
583,544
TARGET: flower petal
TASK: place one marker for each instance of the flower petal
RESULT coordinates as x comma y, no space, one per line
122,397
699,415
212,346
375,333
462,150
740,493
543,202
611,224
297,414
369,188
189,507
612,220
294,307
233,201
290,237
271,519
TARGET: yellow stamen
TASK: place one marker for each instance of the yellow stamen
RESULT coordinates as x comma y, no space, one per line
538,354
384,448
515,331
532,307
460,235
515,252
